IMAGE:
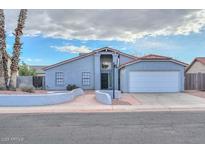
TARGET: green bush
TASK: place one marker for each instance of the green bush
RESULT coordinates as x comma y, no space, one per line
71,87
12,88
2,88
25,70
27,89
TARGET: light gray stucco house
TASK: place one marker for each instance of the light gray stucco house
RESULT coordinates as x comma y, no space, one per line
151,73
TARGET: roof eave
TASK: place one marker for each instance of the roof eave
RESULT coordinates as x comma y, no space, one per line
116,51
141,60
67,61
85,55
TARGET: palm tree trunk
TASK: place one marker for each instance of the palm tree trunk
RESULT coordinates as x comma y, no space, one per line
2,49
17,47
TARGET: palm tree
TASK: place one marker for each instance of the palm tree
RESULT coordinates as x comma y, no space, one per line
17,47
2,49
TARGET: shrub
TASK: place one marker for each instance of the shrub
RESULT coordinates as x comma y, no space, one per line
25,70
2,88
12,88
71,87
27,89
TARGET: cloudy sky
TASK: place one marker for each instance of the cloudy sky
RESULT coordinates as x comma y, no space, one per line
55,35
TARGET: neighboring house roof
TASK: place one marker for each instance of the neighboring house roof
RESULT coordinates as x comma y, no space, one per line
89,54
152,57
197,59
39,69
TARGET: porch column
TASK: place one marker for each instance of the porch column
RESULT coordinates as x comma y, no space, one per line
115,56
97,71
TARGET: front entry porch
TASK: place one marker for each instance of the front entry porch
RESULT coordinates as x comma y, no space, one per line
106,80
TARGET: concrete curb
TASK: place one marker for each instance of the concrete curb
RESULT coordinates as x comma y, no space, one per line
42,110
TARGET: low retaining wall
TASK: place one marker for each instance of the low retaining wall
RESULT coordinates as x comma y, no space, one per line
39,99
77,92
103,98
110,92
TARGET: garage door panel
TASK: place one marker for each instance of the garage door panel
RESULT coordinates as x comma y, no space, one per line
154,81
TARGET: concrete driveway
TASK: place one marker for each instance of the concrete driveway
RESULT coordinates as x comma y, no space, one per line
169,100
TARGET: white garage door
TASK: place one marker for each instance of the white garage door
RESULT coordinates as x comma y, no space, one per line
154,81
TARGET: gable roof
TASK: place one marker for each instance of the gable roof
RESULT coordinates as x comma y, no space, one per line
106,49
68,61
201,60
153,57
197,59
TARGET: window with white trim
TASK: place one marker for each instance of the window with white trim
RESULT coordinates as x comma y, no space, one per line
86,78
59,78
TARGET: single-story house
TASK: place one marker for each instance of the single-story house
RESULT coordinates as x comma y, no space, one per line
94,70
197,66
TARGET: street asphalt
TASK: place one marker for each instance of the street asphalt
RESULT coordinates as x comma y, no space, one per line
133,127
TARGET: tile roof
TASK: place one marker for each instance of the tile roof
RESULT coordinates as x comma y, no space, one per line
201,60
154,57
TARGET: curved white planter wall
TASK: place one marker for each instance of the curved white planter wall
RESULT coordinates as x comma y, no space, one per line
103,97
110,92
39,99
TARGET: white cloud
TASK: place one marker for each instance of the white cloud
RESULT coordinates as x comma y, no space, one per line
72,49
124,25
31,60
155,45
145,46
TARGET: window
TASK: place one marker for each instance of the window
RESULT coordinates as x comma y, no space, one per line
86,78
59,78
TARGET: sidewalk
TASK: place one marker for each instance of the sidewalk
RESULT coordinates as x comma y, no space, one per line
97,108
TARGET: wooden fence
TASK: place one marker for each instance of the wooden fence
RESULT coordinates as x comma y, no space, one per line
36,81
195,81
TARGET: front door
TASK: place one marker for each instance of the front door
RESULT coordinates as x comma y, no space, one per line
104,80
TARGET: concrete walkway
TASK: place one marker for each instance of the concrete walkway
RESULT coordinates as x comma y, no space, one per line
143,102
169,100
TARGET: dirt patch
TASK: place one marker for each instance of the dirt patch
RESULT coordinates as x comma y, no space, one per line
120,102
196,93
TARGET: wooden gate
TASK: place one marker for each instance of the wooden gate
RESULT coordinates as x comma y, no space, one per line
195,81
